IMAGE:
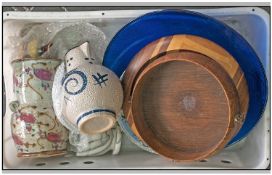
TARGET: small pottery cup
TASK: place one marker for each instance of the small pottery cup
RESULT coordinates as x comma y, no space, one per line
33,79
93,97
37,132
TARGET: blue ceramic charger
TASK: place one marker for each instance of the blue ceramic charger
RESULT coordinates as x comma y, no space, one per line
152,26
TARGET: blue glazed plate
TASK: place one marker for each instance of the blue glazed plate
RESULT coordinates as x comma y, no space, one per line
132,137
152,26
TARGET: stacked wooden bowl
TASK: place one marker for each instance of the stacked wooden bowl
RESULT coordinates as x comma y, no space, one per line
185,97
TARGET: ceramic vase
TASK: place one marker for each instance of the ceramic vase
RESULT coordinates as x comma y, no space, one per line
33,79
37,132
93,98
35,129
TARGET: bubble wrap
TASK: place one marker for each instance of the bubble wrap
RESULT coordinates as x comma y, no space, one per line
73,36
32,37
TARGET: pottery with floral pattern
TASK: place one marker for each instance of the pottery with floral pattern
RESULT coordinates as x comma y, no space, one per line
35,129
37,132
33,79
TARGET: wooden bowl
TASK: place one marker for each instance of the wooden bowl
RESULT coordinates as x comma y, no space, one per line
185,106
196,44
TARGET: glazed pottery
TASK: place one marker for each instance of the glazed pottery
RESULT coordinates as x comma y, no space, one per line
37,132
80,55
131,135
77,56
97,144
35,128
155,25
33,79
168,44
82,144
58,99
185,106
93,96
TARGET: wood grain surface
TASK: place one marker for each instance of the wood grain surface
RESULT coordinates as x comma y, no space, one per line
184,106
196,44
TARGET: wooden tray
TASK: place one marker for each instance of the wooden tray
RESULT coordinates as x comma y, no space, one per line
197,44
185,106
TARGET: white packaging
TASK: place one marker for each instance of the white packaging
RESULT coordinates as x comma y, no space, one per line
251,152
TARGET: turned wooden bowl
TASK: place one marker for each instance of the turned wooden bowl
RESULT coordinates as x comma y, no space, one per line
182,42
185,106
217,108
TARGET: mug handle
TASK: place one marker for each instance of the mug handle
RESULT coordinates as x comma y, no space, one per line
14,105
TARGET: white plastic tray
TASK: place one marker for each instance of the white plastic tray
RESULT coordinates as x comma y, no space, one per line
252,152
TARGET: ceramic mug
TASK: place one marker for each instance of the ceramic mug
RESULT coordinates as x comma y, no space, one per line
36,131
93,97
33,79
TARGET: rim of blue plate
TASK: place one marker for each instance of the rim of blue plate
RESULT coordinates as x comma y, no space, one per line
132,38
132,137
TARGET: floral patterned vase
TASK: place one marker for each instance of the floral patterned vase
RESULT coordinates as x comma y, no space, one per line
33,80
35,129
37,132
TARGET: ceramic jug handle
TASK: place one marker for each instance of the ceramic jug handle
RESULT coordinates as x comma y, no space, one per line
14,105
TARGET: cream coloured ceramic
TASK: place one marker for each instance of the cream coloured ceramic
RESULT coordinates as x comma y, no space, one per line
93,96
37,132
82,144
58,99
80,55
33,79
75,57
97,144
